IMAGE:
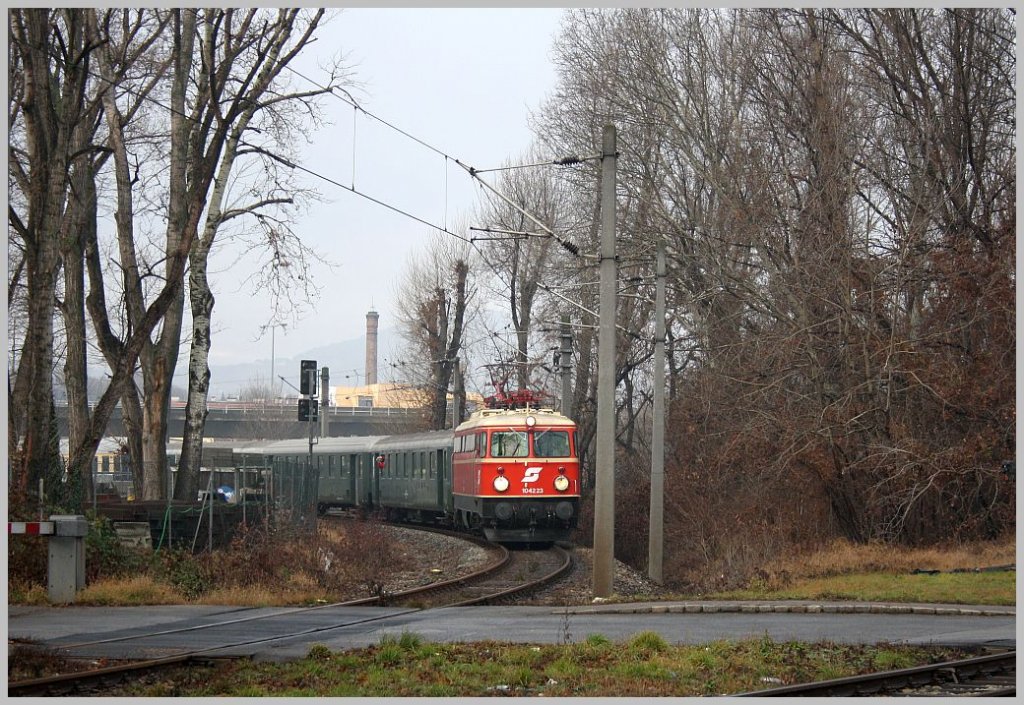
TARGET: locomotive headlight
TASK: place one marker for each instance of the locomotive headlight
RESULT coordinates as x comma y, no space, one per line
561,483
531,421
501,483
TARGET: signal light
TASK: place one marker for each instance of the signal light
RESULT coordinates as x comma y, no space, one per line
307,377
308,410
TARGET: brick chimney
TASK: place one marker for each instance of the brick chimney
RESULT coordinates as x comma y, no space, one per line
371,347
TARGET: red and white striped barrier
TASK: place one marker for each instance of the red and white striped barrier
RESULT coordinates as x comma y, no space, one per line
32,528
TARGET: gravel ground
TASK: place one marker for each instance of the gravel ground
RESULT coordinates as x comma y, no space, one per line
577,587
433,557
436,557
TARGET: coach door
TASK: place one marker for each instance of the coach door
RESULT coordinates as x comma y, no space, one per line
362,468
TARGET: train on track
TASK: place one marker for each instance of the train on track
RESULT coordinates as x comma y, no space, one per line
511,473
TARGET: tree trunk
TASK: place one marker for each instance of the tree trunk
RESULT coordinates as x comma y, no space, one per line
198,378
81,227
160,357
454,345
52,106
131,418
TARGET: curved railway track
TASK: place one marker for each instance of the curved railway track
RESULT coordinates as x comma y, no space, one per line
985,676
507,575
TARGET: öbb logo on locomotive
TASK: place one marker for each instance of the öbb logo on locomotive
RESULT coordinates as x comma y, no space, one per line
531,475
453,477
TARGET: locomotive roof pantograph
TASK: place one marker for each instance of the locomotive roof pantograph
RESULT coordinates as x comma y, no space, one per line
491,418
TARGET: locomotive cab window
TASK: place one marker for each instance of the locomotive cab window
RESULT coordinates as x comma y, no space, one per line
509,444
551,444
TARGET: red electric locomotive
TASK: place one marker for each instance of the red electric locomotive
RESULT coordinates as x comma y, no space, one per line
515,474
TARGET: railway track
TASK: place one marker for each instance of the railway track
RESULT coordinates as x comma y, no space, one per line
507,575
985,676
97,681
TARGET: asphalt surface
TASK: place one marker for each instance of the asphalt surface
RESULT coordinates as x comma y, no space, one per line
154,632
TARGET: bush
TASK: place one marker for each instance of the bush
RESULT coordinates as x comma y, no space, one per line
105,556
647,643
319,652
182,571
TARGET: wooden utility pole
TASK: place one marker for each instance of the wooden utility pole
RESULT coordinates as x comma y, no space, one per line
604,493
656,535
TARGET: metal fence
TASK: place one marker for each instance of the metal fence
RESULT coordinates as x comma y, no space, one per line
283,497
294,486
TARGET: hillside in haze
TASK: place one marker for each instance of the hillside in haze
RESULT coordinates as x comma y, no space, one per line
346,361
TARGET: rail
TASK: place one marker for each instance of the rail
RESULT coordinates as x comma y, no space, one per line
989,676
92,682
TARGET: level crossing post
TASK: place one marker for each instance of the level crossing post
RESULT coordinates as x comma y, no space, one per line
66,567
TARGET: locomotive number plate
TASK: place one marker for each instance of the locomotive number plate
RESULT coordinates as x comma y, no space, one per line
533,490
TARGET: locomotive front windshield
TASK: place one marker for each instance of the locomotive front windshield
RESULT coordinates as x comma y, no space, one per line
551,444
509,444
514,444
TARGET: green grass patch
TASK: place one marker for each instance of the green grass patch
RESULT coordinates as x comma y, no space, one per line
641,666
995,588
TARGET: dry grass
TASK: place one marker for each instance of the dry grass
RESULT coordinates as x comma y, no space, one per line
260,596
843,558
138,590
22,593
257,570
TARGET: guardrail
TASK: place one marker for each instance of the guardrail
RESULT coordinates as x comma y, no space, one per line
287,408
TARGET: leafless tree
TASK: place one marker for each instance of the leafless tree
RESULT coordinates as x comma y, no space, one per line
53,109
437,293
815,175
268,110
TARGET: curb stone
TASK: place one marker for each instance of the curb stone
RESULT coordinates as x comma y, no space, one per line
799,608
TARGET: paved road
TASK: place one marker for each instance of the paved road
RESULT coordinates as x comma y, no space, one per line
96,632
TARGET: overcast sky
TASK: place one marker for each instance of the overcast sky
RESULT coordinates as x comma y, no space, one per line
462,80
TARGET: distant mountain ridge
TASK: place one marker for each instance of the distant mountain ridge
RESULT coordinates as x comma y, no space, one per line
346,361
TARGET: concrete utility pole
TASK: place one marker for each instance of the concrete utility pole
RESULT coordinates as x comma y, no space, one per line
604,494
565,360
656,536
325,381
456,395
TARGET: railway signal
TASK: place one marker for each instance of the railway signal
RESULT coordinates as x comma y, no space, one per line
308,410
307,378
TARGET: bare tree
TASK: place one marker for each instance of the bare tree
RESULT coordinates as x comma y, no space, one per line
436,294
50,112
269,111
815,174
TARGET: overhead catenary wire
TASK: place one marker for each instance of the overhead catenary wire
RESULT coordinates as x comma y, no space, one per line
357,108
352,189
472,171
